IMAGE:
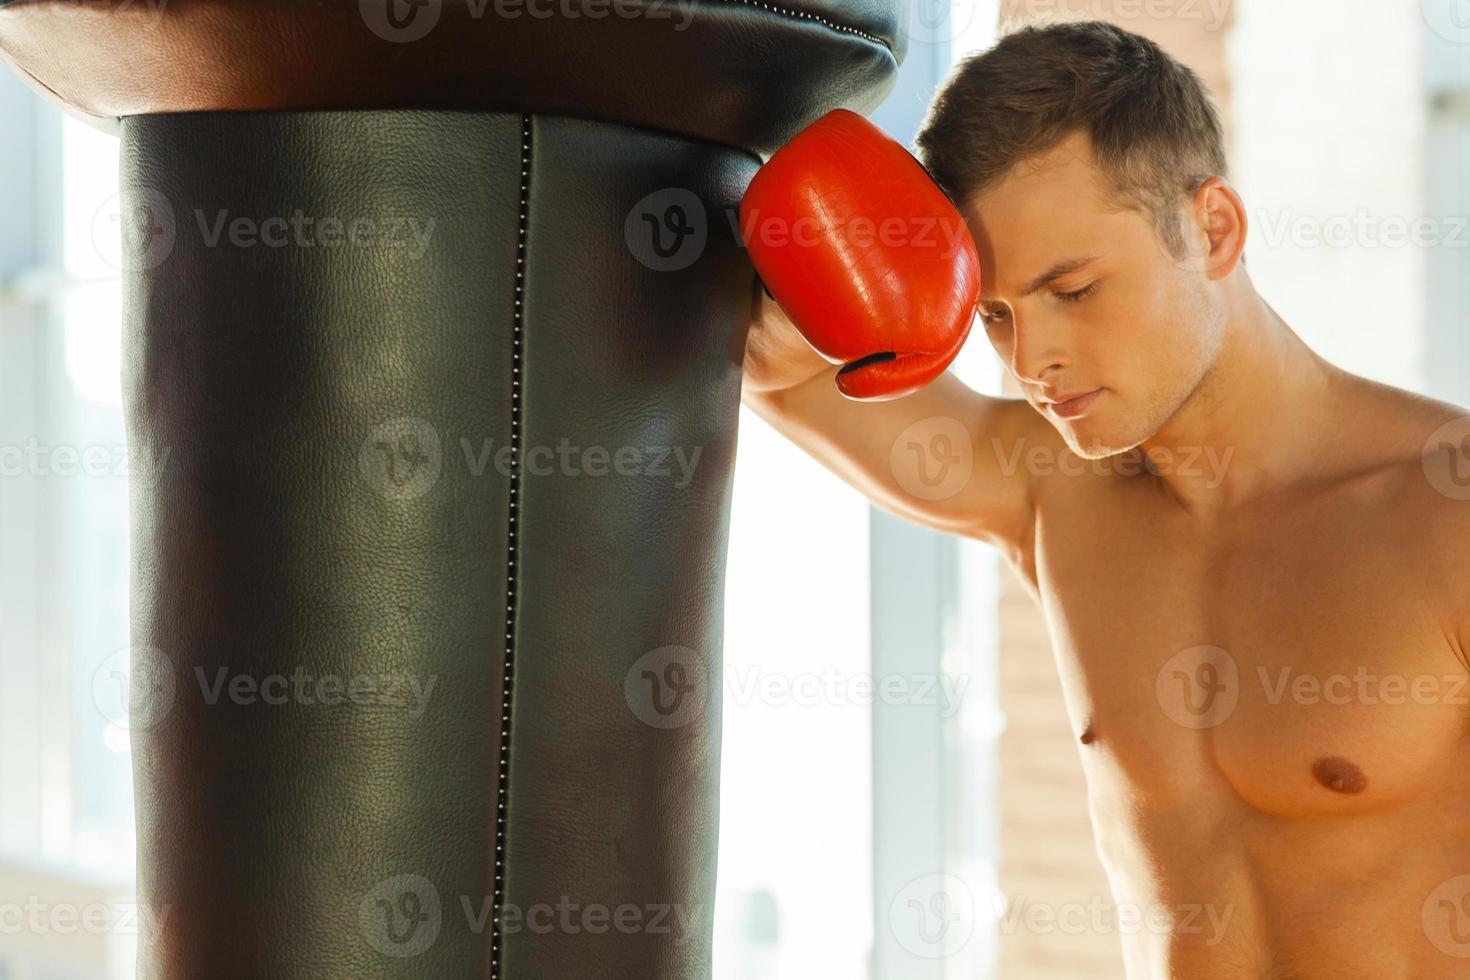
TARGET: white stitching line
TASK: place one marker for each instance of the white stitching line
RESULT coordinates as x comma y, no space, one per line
771,7
818,18
503,774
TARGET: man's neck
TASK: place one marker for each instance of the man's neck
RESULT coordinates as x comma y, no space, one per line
1256,421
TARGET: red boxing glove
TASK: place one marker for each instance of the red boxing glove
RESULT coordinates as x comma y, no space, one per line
866,255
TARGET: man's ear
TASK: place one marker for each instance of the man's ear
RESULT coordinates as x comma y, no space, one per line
1215,229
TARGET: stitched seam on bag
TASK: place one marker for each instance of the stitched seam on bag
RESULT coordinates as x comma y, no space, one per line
512,561
816,18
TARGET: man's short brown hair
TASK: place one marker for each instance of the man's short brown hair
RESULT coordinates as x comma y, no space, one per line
1155,133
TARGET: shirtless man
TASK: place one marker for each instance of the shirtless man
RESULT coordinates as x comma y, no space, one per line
1255,565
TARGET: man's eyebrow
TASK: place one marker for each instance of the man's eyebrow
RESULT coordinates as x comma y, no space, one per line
1056,272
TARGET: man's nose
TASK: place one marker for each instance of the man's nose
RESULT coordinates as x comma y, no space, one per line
1038,351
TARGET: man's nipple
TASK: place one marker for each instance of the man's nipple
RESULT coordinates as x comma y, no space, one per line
1087,737
1339,775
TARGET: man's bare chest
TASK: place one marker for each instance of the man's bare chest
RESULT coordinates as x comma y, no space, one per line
1298,662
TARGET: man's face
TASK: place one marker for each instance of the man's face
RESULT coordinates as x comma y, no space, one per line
1081,298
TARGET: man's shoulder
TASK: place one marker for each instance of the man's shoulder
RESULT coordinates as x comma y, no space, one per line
1391,428
1401,462
1425,446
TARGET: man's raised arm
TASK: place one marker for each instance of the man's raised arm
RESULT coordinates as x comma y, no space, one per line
872,286
946,457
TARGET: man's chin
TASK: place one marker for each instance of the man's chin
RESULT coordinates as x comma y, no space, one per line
1093,441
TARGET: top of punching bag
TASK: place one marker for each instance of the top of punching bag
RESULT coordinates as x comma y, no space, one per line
747,73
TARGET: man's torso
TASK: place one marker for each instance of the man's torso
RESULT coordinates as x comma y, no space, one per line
1273,712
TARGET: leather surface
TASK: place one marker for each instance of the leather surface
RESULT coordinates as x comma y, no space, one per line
328,504
746,73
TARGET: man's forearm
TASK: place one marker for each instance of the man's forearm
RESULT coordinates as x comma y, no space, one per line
777,357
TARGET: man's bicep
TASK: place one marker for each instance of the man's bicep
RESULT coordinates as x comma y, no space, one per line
946,456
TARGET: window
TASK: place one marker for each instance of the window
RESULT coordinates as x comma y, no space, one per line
66,825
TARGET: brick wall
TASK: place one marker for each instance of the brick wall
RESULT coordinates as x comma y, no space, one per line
1048,856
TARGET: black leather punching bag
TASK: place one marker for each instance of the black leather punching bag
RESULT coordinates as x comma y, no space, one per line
434,343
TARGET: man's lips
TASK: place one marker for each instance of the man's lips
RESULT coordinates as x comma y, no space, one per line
1074,406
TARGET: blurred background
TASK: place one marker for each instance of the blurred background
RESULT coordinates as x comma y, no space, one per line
899,781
